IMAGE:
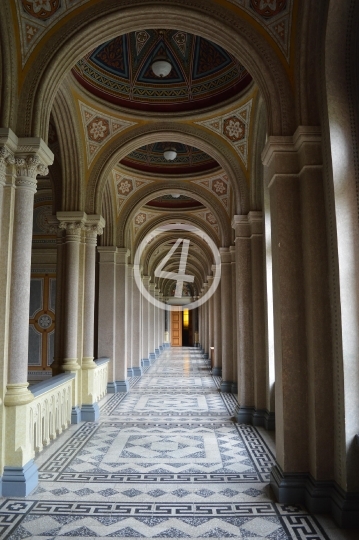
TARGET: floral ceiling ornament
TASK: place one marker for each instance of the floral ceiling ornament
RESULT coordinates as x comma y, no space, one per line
36,17
275,16
99,128
125,186
219,186
234,128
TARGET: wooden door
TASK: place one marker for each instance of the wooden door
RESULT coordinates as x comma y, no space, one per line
176,328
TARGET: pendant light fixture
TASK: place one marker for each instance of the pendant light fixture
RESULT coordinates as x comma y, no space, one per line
170,153
161,64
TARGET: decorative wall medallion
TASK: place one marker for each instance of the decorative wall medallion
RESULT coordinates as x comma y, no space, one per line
126,185
40,219
209,218
140,219
99,128
234,127
36,17
219,186
45,321
275,16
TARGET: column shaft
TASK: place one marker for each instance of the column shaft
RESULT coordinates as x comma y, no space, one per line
137,330
234,386
227,323
217,333
122,384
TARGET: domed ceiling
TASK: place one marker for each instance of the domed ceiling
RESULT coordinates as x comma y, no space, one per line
150,159
203,74
169,202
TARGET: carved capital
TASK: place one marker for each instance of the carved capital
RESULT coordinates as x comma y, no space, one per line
73,229
6,159
30,167
92,231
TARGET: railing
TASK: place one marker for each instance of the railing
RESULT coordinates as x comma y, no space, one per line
101,378
50,411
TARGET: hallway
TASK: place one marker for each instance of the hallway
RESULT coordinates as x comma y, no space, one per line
165,460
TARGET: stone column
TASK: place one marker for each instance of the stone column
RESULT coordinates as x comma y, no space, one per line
151,324
234,386
90,411
137,330
107,311
72,223
122,384
303,383
160,324
157,324
20,473
129,318
210,316
227,322
200,320
205,323
261,415
145,360
244,319
217,332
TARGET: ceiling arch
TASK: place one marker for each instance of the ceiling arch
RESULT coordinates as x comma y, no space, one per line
147,193
161,131
72,39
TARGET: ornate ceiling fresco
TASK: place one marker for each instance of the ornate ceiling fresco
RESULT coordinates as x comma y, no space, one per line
150,159
203,74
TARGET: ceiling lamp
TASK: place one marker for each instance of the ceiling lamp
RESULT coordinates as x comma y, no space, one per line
161,65
170,153
176,195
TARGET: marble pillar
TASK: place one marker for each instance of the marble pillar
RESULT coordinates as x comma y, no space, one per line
122,384
157,324
234,386
107,311
303,383
20,474
136,335
217,333
151,323
129,318
244,319
89,410
145,360
205,322
72,223
160,323
227,322
210,317
261,415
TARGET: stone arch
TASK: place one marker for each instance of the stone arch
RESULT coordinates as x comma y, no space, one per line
8,65
147,193
157,132
74,39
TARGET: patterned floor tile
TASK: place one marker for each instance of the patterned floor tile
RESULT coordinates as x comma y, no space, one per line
165,460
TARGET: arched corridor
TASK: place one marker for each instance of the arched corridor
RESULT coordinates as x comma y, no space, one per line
179,218
165,460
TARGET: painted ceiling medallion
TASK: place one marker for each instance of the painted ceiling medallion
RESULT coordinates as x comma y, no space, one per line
150,159
201,74
41,9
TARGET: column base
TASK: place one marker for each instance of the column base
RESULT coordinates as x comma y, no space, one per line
226,386
75,415
157,353
129,372
161,348
90,413
111,387
206,356
256,417
122,386
234,388
19,481
145,362
137,371
166,345
152,357
217,371
318,497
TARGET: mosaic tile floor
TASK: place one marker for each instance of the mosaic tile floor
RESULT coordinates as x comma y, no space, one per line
164,461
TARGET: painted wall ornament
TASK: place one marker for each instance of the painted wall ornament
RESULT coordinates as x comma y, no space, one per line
41,9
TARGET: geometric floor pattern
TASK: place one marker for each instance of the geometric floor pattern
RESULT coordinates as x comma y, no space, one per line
167,460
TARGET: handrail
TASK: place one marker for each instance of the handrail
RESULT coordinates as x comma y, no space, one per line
45,386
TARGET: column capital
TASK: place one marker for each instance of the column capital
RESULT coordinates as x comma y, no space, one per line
121,255
225,255
241,226
306,141
94,225
72,223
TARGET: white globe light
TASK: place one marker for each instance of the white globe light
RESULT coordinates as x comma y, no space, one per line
175,195
161,68
170,154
